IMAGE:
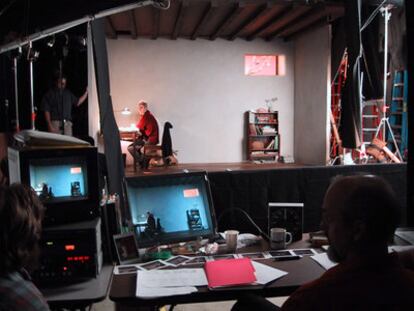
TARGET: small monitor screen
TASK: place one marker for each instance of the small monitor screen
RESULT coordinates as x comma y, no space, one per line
170,208
59,179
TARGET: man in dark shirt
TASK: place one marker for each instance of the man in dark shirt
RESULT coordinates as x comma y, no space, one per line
148,127
20,227
57,106
360,215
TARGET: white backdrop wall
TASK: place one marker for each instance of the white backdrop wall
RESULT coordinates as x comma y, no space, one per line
312,96
200,87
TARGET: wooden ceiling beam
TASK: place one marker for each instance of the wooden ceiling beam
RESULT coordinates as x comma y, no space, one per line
286,17
156,24
322,21
132,24
204,20
179,20
297,21
226,21
261,10
268,24
305,22
112,33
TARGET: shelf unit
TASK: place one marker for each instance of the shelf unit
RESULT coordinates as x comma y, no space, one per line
263,141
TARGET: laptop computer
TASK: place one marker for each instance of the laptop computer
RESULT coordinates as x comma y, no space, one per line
126,248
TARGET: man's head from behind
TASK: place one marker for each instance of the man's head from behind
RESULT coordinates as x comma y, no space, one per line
20,226
142,107
360,214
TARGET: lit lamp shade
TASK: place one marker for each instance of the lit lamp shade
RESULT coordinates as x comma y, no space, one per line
126,111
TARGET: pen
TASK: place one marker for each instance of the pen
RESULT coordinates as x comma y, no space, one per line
284,258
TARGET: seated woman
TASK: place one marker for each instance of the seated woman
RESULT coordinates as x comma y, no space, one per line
21,216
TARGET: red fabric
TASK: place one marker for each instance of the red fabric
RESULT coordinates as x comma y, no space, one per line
148,126
380,285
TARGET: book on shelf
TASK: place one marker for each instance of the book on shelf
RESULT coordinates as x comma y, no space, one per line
268,130
270,145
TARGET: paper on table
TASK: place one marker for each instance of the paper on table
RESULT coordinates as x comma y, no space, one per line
152,292
172,278
324,261
160,283
399,248
266,274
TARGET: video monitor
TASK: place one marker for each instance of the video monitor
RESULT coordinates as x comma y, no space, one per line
64,178
170,208
59,179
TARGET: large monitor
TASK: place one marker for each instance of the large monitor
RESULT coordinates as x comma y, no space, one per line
173,208
64,178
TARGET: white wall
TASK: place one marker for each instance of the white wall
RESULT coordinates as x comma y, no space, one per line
312,96
200,87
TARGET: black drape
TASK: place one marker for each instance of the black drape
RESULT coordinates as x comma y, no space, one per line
410,107
350,118
108,125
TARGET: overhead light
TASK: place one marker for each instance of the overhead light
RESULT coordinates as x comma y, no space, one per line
51,42
32,54
126,111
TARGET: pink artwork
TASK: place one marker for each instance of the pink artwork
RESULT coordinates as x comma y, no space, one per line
264,65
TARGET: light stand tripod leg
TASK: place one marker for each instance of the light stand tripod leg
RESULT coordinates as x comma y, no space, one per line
397,149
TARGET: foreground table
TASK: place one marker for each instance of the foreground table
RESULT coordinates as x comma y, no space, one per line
299,272
79,295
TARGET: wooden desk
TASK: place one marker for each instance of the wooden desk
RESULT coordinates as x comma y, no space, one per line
79,295
299,272
129,135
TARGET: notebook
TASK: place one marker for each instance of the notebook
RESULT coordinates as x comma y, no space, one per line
229,272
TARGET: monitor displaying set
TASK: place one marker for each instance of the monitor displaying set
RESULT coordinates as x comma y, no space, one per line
59,179
64,178
170,208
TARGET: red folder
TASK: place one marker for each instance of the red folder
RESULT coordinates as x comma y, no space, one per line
227,272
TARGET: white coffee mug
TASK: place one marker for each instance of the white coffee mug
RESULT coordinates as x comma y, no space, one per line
279,238
231,239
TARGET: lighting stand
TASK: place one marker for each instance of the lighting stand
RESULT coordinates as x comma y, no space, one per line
16,88
384,123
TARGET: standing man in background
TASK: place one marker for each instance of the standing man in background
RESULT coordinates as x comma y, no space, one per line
148,127
57,105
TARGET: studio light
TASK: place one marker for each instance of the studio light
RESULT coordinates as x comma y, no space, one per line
32,54
51,42
126,111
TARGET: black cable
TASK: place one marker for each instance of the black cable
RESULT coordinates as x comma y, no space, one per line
372,16
7,6
247,216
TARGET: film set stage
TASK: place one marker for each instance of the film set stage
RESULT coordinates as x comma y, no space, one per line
158,122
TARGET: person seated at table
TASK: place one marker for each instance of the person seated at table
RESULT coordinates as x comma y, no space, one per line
20,226
148,127
360,215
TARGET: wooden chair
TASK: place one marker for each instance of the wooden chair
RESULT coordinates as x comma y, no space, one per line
154,155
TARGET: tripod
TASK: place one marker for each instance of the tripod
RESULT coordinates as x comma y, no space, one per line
384,123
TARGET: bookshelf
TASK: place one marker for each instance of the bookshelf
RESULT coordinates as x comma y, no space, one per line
263,141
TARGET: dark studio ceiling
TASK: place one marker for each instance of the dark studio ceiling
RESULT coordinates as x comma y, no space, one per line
225,19
186,19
